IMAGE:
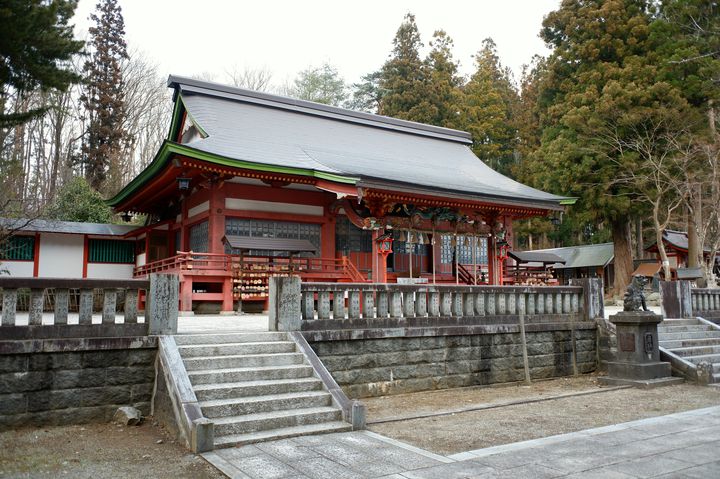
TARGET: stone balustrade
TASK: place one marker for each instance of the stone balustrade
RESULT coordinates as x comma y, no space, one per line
160,318
705,300
349,301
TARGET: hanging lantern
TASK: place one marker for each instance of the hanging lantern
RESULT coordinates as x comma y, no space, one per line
453,241
423,239
467,241
432,239
410,238
402,235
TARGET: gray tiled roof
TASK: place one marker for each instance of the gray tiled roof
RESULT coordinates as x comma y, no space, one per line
585,256
72,227
256,127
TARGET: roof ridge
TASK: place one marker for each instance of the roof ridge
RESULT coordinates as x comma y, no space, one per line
318,109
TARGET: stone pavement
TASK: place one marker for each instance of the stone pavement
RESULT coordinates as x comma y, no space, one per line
682,445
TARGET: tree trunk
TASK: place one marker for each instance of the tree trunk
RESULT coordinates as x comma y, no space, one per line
694,221
639,241
660,244
623,254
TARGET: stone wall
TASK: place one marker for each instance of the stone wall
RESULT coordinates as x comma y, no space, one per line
393,365
74,381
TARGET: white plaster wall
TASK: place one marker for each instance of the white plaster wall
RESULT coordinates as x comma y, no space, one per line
201,208
272,206
140,260
61,255
109,271
22,269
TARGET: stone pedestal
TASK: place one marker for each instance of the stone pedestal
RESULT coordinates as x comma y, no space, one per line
637,361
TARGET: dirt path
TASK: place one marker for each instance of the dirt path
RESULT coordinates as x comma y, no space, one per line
492,426
98,451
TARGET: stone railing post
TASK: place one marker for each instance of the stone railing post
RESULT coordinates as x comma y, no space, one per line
676,299
162,304
593,305
285,298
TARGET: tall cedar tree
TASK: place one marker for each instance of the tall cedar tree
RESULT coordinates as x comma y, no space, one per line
601,78
443,81
104,97
404,77
489,104
36,45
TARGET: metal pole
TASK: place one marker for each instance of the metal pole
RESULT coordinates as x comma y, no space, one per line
433,255
457,261
474,254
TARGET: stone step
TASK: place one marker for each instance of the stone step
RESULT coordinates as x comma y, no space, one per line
683,329
243,361
227,349
684,343
266,421
217,338
217,408
206,392
282,433
679,322
694,351
229,375
707,358
689,335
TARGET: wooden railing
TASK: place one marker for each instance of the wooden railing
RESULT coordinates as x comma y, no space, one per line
187,261
322,268
413,301
61,289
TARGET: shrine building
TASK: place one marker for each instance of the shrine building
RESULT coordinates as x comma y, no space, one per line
249,185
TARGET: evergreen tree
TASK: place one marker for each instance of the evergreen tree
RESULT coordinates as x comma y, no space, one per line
489,103
77,201
104,97
321,84
404,79
601,84
443,81
367,94
36,44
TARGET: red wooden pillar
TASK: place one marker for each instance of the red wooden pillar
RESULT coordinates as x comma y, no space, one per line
379,265
327,236
216,220
227,303
183,246
186,286
492,260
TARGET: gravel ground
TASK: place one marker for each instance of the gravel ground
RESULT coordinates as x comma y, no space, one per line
98,451
465,431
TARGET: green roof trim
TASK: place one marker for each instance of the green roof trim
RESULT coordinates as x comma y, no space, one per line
178,110
170,148
568,201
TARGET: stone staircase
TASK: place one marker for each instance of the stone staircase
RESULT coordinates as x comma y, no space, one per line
688,343
257,387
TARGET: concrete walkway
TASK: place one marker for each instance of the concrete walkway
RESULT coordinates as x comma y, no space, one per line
683,445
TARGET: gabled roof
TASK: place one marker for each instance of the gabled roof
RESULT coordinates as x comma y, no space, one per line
301,137
535,257
584,256
68,227
675,239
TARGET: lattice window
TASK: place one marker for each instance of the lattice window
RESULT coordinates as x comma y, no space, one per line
18,248
272,229
199,237
465,255
351,239
111,251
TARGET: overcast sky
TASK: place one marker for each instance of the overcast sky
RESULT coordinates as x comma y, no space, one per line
191,37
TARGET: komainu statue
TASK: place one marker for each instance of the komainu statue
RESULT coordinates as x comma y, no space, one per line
634,296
